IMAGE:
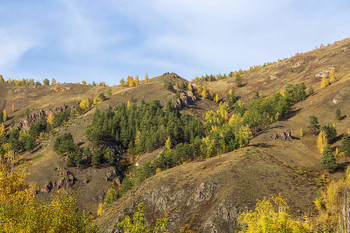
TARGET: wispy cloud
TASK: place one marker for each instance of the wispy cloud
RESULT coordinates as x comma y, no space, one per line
105,40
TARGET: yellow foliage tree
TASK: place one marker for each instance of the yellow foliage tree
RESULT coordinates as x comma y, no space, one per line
50,118
1,79
2,132
216,98
272,215
128,105
137,81
94,101
168,143
20,212
53,81
13,107
85,104
321,141
130,81
190,86
333,206
83,83
146,78
333,76
301,132
324,82
4,116
9,81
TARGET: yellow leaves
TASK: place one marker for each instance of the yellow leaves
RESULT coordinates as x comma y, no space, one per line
146,78
168,143
13,108
301,132
272,215
324,82
4,116
216,98
1,79
137,82
100,210
2,132
85,104
128,105
130,81
94,101
190,86
83,83
50,118
321,141
333,76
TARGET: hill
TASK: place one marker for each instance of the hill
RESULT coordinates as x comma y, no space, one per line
205,194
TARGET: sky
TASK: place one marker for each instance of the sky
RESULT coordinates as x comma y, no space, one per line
105,40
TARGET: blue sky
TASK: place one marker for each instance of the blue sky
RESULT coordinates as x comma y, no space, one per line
104,40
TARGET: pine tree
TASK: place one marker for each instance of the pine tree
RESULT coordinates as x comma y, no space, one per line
109,92
321,141
239,81
146,78
46,81
328,161
314,125
338,114
345,145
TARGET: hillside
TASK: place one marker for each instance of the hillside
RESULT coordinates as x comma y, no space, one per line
204,194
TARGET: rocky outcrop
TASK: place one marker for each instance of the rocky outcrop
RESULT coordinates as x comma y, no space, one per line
34,117
284,135
113,176
63,89
67,180
324,73
185,99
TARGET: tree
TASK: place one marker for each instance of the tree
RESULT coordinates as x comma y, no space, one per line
333,76
101,96
137,224
50,118
314,125
2,132
53,81
168,143
146,78
4,115
93,83
239,81
13,107
122,82
109,92
338,115
321,141
46,81
328,161
1,79
137,81
331,132
130,81
111,197
272,215
301,132
190,88
64,143
83,83
216,98
345,145
324,82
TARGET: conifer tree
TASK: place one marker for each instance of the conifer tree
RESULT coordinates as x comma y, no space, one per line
314,125
338,114
122,82
109,92
345,145
328,161
46,81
